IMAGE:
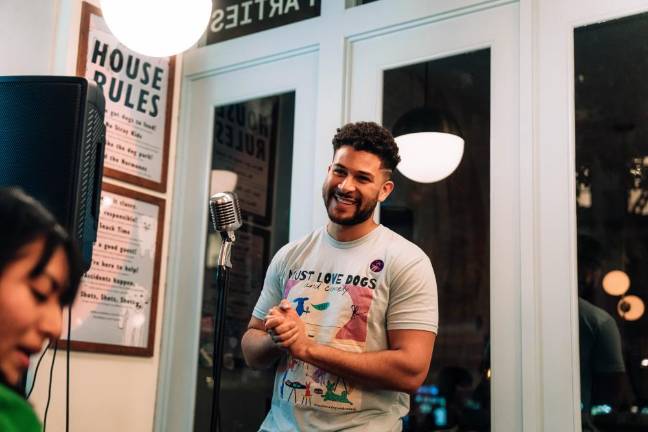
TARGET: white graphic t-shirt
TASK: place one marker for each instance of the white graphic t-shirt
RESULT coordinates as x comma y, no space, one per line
348,294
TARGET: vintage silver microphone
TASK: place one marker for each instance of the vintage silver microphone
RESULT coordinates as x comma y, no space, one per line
226,217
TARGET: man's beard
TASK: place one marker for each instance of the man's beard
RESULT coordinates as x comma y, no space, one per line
362,212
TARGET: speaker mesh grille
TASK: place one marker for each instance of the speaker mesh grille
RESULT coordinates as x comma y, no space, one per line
51,144
94,127
39,125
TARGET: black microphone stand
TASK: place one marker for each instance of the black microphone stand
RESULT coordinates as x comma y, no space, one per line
222,287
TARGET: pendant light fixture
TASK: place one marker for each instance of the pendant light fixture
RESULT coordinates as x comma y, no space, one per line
157,28
630,308
616,283
428,157
429,141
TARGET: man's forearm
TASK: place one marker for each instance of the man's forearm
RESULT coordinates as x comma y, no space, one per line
258,349
388,369
402,367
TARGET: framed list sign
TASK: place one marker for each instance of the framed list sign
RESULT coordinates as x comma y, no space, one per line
138,90
114,311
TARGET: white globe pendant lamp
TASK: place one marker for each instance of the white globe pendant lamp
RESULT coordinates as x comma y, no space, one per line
428,157
631,308
429,142
157,28
616,283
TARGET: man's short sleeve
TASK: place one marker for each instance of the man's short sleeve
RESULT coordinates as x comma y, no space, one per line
272,291
413,303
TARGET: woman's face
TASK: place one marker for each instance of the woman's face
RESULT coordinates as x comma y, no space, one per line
30,308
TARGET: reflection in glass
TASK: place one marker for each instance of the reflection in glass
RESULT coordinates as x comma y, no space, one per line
252,144
611,65
354,3
449,220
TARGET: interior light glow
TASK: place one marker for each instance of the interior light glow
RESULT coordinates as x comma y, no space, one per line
425,408
616,283
157,28
440,417
630,308
106,201
222,181
601,409
644,363
428,157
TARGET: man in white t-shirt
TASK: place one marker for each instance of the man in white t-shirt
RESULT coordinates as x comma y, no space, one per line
350,310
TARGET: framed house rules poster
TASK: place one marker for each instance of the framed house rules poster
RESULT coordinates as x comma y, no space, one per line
114,311
138,90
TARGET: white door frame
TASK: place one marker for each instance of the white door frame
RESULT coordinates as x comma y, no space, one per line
554,203
326,44
201,93
496,29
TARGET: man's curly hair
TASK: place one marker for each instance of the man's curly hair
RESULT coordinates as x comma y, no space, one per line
369,137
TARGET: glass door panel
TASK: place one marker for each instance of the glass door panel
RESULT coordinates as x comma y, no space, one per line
251,155
611,63
449,220
468,223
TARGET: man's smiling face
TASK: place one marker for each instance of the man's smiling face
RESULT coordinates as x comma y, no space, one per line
355,183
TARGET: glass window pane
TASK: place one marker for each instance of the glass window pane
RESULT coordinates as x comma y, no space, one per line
449,220
611,64
252,144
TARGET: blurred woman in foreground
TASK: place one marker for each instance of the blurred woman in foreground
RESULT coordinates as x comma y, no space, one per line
39,275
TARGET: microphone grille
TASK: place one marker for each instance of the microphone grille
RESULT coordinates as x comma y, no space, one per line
225,211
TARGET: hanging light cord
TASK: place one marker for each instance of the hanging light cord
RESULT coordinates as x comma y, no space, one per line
67,370
49,387
33,384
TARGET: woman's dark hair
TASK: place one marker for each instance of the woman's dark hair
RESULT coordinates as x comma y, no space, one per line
369,137
24,220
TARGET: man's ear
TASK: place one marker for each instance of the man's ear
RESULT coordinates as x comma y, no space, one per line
385,190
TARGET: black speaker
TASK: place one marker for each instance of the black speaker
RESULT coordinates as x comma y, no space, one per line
52,139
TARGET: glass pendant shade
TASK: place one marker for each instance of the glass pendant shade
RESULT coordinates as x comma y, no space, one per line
429,142
222,181
428,157
616,283
157,28
631,308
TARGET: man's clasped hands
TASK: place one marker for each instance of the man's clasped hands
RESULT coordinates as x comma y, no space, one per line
287,330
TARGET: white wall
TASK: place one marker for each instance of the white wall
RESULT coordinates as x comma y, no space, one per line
26,42
108,392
